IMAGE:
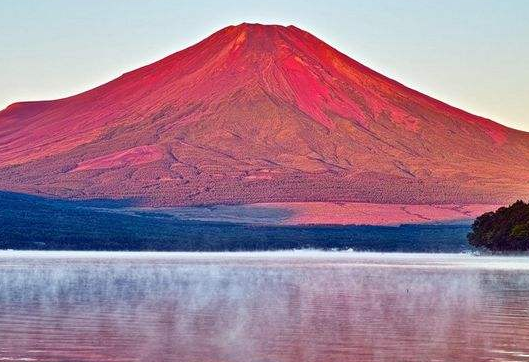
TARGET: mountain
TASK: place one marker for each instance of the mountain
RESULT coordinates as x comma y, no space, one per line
253,114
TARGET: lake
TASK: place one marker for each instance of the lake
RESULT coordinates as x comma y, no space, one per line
277,306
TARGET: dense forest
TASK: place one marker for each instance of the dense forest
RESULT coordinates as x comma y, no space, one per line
506,230
30,222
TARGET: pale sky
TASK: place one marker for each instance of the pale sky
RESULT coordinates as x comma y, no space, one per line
473,54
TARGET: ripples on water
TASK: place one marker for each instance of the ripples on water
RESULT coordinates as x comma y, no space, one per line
303,306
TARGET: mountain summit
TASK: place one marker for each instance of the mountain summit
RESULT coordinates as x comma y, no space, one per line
259,113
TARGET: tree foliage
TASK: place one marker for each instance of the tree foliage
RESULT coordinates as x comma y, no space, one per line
505,230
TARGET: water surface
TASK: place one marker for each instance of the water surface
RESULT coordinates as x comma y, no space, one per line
289,306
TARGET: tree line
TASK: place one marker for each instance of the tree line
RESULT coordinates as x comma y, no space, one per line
505,230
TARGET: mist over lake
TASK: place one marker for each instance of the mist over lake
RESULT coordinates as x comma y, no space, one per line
277,306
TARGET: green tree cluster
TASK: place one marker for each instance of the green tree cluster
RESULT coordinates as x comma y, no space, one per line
505,230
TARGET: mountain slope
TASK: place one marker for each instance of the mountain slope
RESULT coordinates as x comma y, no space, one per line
259,113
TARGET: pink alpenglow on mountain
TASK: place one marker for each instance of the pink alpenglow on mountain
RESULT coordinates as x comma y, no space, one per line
260,114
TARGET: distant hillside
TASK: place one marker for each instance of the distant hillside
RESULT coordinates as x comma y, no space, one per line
29,222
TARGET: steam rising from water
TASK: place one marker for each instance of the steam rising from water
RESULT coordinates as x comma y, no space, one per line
291,306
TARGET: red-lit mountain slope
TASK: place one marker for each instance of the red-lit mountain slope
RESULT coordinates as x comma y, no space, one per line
259,114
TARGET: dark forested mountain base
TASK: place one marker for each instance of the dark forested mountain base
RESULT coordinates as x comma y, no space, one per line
29,222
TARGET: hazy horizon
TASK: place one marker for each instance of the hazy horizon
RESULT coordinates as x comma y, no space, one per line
469,54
